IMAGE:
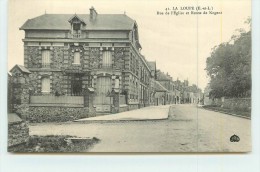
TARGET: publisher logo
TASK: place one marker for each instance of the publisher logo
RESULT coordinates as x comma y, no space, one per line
234,138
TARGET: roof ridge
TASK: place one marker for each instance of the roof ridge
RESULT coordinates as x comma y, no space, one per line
60,21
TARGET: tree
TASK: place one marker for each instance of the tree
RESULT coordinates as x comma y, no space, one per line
229,66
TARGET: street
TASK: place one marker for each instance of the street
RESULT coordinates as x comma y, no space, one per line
188,129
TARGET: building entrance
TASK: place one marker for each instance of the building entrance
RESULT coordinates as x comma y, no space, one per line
102,101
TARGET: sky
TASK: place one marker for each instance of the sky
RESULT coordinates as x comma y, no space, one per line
179,44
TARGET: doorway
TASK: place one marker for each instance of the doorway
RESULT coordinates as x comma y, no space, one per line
102,100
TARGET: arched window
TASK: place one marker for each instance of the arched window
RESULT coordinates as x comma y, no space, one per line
46,85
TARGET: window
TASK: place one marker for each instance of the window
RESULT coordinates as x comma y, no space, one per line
76,26
117,83
76,85
107,59
76,30
46,58
45,85
77,57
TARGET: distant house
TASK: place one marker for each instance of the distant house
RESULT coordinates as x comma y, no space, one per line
172,96
160,94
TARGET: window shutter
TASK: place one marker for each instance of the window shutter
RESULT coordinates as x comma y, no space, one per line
107,59
46,85
77,57
46,58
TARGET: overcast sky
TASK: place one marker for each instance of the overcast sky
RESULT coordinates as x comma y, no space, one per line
179,44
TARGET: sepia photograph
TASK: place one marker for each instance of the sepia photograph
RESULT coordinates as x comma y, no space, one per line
129,76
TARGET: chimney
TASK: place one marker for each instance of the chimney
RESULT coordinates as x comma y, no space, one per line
93,13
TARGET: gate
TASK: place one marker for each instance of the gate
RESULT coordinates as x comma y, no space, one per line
102,101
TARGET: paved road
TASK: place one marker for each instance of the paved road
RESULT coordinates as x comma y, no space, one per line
188,129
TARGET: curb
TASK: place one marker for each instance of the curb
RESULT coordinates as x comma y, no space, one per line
120,120
232,114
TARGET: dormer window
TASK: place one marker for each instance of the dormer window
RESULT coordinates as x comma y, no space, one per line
77,25
76,31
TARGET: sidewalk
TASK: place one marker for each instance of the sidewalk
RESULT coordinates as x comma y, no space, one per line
147,113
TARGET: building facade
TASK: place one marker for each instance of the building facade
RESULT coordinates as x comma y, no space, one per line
82,64
69,54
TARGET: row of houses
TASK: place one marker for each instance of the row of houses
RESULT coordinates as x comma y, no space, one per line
93,60
176,91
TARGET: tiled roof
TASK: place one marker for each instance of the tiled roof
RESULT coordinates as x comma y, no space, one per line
152,65
21,68
162,76
61,22
13,117
159,87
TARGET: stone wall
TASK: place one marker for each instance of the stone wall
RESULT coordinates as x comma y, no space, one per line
62,57
58,114
32,57
57,57
18,133
208,101
123,108
35,83
243,104
58,84
125,59
10,94
20,92
119,55
94,57
133,106
217,102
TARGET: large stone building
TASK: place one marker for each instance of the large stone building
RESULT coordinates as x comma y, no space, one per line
82,64
69,54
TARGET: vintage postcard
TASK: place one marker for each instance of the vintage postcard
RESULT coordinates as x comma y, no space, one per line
129,76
